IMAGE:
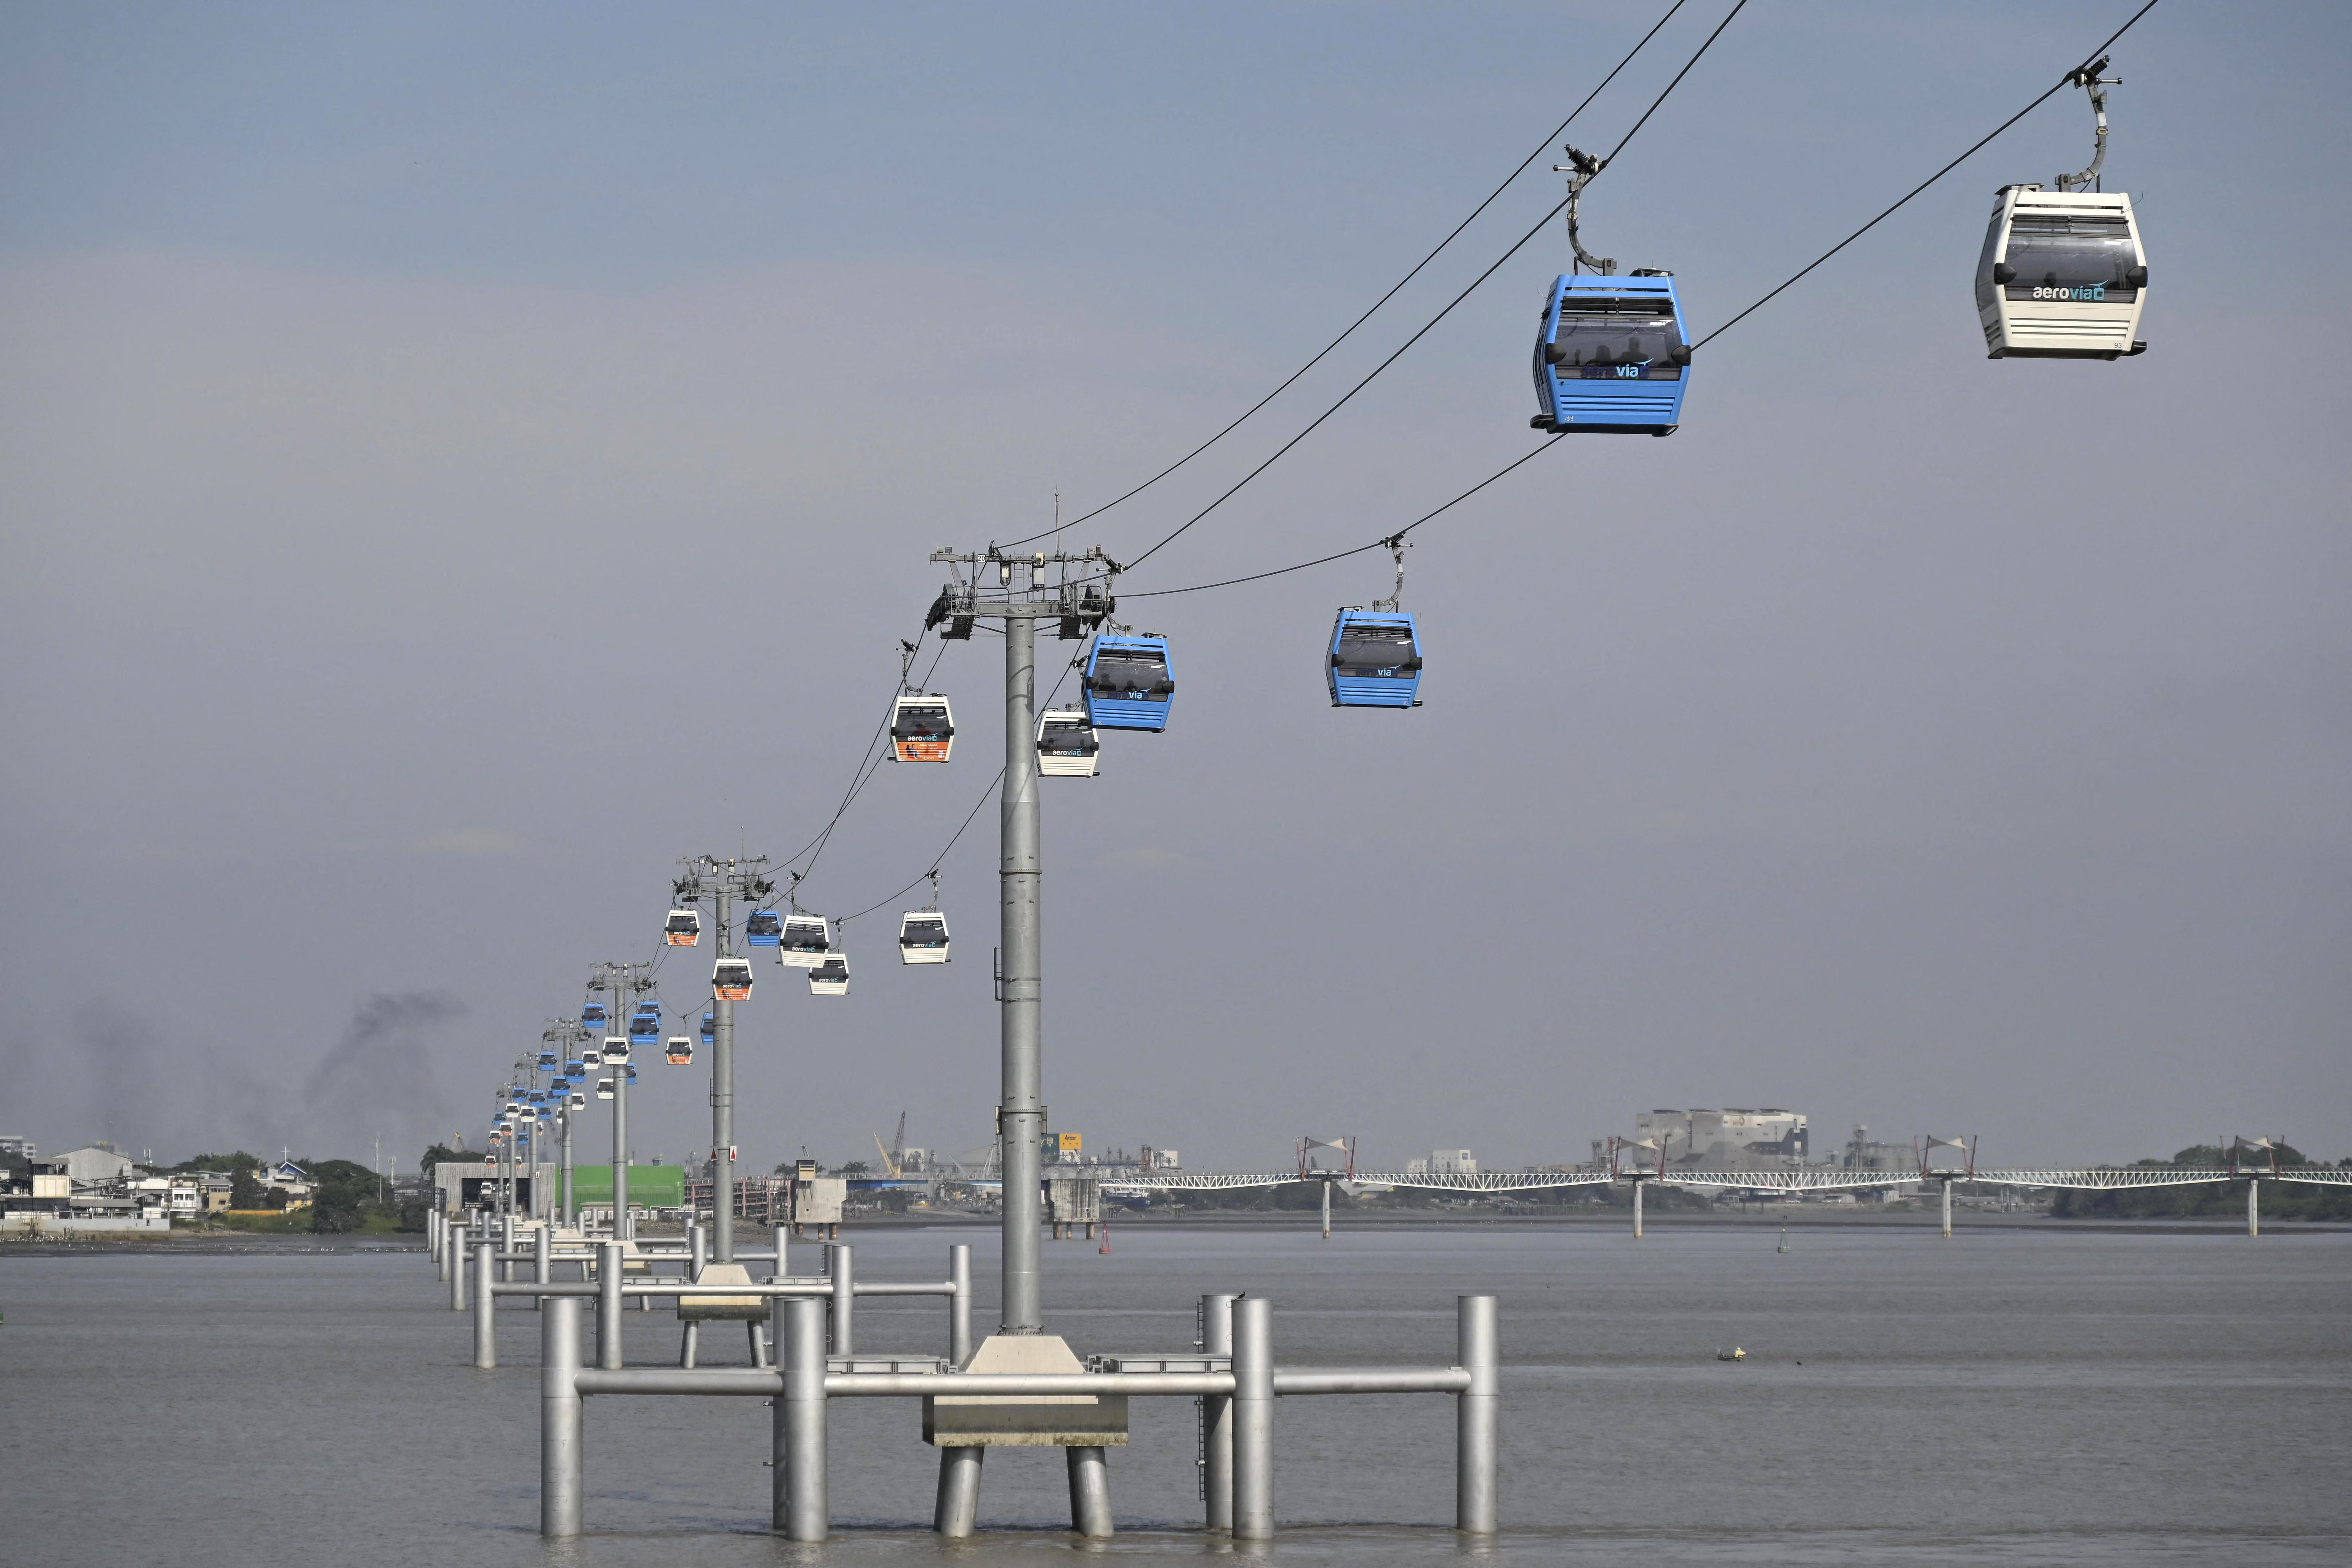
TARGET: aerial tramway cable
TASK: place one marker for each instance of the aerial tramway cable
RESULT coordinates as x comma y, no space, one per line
1455,233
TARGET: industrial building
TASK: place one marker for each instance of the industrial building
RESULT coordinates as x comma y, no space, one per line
1733,1138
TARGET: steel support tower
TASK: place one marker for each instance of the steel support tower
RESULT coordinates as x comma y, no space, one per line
1020,598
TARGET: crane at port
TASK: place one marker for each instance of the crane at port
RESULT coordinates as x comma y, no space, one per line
894,1159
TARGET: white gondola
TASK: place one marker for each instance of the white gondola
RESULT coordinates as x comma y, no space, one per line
730,979
807,940
2062,275
684,928
922,729
679,1048
579,1102
922,937
830,978
1067,746
592,1057
616,1048
605,1089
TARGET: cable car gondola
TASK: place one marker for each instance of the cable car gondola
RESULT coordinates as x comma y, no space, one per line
547,1061
830,978
709,1027
592,1057
592,1016
922,729
763,928
616,1048
1067,746
1375,660
1130,683
2062,274
684,928
922,937
580,1100
681,1051
805,941
1612,356
576,1067
603,1088
730,979
645,1027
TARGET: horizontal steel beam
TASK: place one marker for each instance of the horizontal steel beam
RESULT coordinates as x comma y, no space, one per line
746,1382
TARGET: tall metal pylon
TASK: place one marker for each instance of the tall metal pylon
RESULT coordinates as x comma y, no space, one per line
722,880
1020,598
623,982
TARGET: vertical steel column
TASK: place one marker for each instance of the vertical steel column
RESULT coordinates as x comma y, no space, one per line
560,1428
1947,1210
486,1303
506,1244
698,1249
542,1255
621,1228
957,1512
438,1240
1327,1210
608,1306
568,1212
782,1232
722,1092
800,1416
2253,1208
1252,1419
1637,1209
1477,1427
959,1304
1089,1492
1217,1416
458,1264
844,1300
1020,1112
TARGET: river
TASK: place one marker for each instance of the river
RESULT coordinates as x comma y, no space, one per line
2038,1395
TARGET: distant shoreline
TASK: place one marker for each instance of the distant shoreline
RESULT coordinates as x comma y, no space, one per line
1305,1224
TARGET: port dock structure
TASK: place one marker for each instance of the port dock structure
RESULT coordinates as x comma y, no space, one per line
1237,1389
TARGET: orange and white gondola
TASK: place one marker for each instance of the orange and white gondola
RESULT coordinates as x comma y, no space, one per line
730,979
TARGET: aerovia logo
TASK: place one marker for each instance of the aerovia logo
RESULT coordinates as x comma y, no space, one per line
2095,291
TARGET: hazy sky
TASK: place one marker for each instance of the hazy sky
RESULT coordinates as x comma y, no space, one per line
457,460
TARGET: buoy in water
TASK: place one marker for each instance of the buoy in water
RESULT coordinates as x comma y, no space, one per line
1734,1353
1105,1248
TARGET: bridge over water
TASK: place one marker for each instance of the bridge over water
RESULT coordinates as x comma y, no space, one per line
1781,1183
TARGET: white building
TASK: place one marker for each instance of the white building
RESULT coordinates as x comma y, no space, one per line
1443,1163
98,1164
1733,1138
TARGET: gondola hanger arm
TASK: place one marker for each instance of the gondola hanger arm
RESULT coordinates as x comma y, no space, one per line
1582,169
2088,78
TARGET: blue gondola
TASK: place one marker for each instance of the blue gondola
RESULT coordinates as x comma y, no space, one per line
575,1068
1612,356
1375,660
710,1028
592,1014
763,928
1130,682
645,1025
547,1061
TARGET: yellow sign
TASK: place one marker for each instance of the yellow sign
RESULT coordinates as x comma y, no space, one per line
1070,1141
